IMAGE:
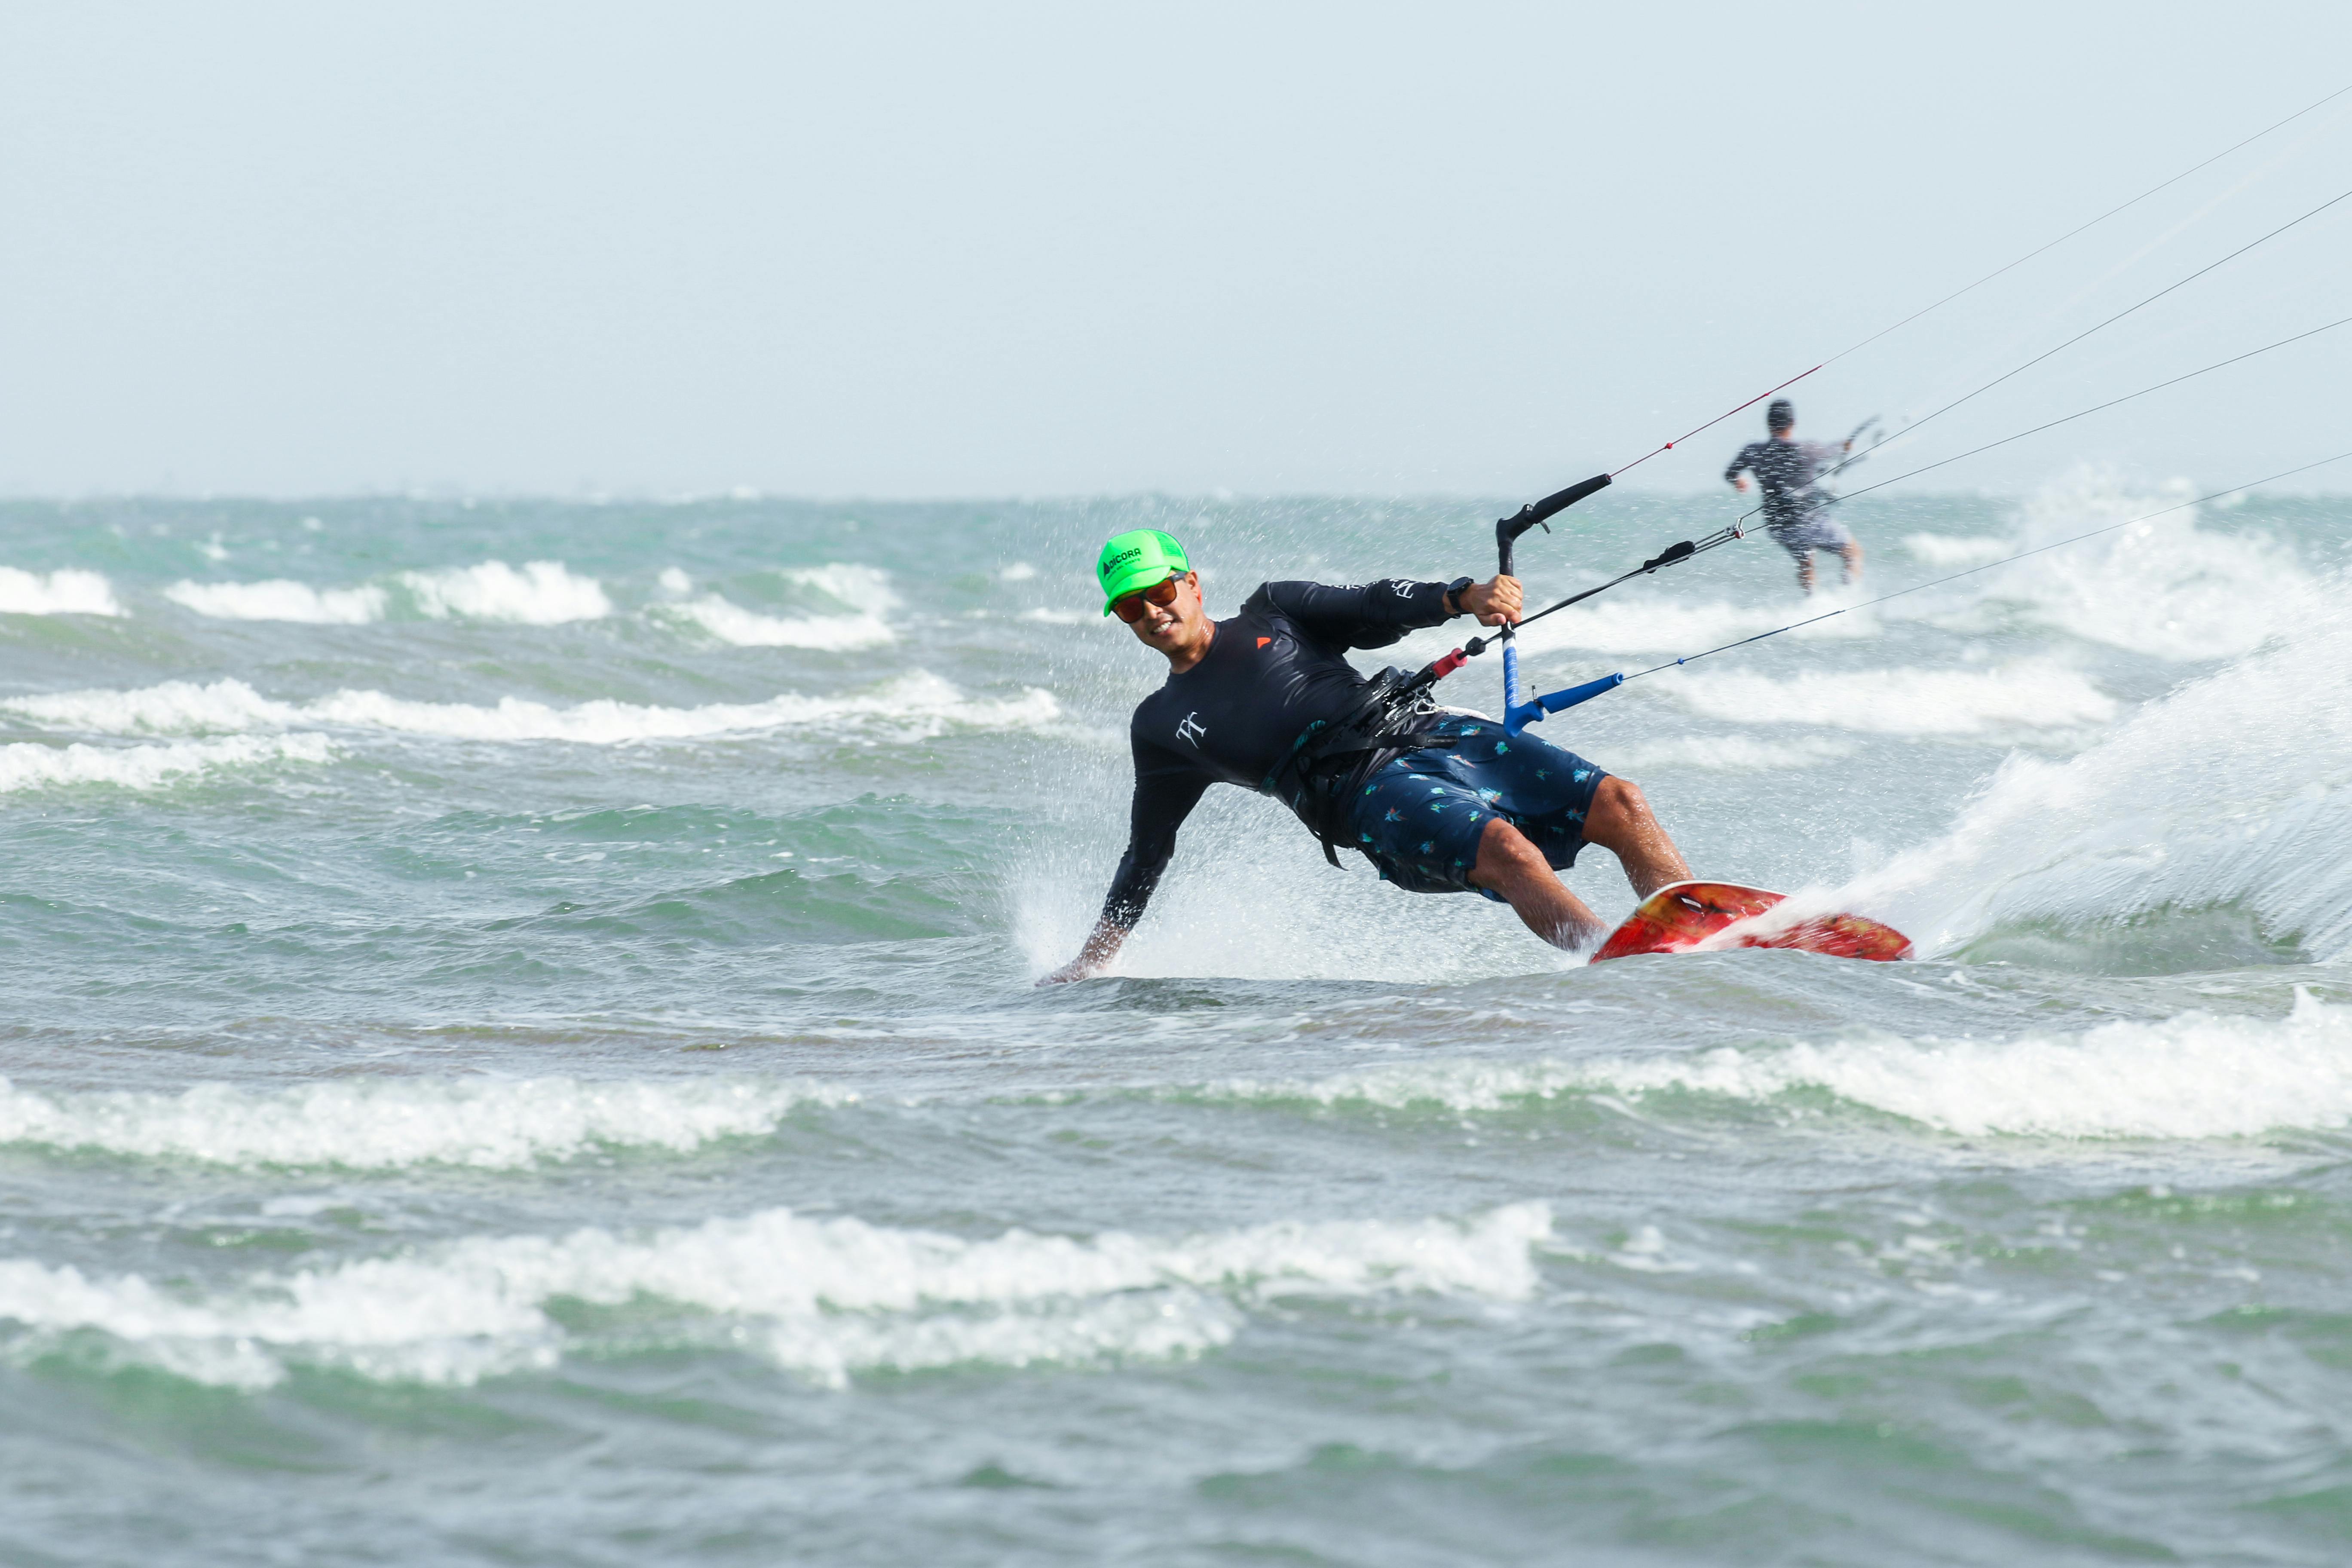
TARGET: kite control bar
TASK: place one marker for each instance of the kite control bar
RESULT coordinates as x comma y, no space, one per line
1517,712
1507,530
1507,533
1520,709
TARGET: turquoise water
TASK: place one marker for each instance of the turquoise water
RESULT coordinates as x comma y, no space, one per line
523,1048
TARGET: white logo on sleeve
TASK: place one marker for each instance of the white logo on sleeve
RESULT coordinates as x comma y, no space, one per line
1403,589
1192,728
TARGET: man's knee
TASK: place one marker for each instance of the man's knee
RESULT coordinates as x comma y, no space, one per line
1504,852
1618,806
1619,797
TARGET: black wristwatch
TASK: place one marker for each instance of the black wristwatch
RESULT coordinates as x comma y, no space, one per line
1454,595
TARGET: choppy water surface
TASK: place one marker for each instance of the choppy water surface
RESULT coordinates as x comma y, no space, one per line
522,1048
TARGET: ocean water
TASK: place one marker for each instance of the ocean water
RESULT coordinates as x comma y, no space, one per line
522,1048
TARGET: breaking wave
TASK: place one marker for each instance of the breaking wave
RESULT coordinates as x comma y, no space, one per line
66,592
389,1124
851,601
731,623
541,594
2163,587
824,1298
1958,548
1731,754
2027,696
849,584
279,600
1640,624
2233,790
29,764
914,706
2196,1075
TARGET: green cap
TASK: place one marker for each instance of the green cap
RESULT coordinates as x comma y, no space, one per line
1140,558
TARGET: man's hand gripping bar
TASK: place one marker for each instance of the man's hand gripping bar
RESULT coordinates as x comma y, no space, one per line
1507,533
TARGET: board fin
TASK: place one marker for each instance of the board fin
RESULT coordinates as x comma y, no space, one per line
1682,916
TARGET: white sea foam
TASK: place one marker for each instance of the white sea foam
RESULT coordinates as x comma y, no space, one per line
66,592
2197,1075
850,585
2164,586
29,764
543,593
2034,695
855,598
279,600
825,1297
172,708
1957,549
1641,624
2234,790
1454,1085
731,622
915,706
378,1124
1731,753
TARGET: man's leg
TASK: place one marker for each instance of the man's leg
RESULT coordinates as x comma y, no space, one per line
1805,570
1620,823
1514,869
1851,550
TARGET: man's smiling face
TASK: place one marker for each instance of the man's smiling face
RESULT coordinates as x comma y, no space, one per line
1174,628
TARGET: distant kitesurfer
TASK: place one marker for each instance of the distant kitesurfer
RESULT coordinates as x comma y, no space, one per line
1796,510
1439,802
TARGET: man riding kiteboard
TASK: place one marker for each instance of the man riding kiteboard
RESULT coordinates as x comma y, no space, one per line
1796,509
1439,802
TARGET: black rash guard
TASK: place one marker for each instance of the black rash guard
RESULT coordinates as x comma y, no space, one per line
1234,717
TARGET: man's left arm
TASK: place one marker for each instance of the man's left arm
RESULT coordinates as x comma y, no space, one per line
1374,615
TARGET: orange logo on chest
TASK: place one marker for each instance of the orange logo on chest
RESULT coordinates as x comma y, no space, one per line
1263,641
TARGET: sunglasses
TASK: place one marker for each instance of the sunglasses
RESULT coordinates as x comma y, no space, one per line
1128,607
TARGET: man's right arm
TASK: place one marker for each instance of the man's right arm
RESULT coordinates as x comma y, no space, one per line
1731,474
1167,788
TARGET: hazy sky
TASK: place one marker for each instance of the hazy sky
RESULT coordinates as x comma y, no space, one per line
901,250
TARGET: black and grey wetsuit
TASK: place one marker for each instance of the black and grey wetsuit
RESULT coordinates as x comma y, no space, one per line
1271,672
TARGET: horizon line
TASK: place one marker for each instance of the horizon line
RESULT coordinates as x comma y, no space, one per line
745,495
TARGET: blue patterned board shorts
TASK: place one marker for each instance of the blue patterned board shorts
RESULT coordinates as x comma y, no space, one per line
1419,818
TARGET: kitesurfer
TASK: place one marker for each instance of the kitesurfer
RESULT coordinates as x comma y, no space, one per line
1438,801
1795,507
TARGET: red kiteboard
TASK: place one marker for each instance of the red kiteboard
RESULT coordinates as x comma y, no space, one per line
1681,916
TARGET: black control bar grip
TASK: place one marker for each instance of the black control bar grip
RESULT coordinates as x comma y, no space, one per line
1507,530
